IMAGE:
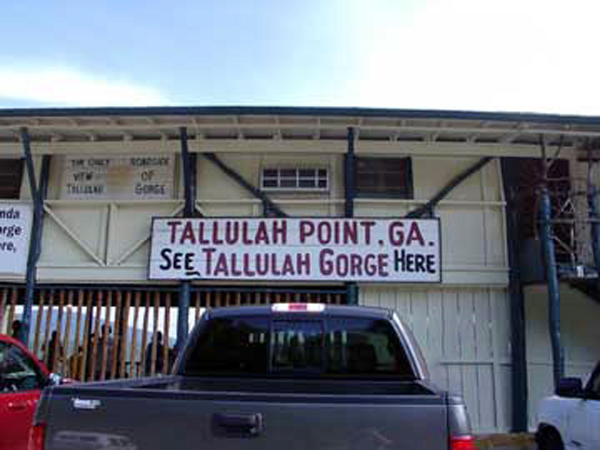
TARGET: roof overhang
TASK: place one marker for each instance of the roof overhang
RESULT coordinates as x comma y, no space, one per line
294,123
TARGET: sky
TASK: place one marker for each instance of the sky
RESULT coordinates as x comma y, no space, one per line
485,55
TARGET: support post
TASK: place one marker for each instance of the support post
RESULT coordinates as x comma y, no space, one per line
350,187
38,194
516,299
349,174
592,194
189,186
558,363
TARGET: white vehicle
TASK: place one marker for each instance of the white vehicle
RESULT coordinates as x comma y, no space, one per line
570,420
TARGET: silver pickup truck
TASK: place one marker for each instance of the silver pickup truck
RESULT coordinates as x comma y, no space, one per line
287,377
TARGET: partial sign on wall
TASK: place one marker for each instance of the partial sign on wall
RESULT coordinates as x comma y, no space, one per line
309,249
106,177
15,227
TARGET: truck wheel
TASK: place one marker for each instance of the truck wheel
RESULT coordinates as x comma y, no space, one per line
549,439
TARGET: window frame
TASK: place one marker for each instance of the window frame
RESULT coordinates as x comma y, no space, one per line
297,188
409,179
16,195
10,348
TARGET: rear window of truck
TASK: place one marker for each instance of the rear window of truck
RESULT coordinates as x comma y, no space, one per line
333,347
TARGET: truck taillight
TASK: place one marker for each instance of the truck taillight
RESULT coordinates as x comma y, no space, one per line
298,307
462,443
36,437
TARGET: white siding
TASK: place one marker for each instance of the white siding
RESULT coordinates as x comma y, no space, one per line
580,337
464,334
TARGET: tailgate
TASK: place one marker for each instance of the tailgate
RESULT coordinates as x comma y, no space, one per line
211,421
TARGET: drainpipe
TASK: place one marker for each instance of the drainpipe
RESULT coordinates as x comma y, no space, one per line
558,364
38,194
350,185
516,298
189,185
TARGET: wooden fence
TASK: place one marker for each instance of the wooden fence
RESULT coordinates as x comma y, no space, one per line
99,334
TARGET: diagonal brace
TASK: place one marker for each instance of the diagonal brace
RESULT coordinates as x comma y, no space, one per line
427,208
245,184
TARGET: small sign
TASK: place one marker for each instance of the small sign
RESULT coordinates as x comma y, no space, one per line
311,249
105,177
15,227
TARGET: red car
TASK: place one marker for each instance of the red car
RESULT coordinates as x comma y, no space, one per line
22,378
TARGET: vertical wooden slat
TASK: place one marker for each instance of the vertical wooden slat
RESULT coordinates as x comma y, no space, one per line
12,310
297,297
55,364
125,335
133,350
217,300
84,366
154,333
117,335
38,324
257,299
145,333
197,316
165,355
277,297
92,374
106,336
78,356
67,339
238,298
46,343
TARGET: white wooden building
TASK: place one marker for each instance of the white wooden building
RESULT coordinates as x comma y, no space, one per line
112,170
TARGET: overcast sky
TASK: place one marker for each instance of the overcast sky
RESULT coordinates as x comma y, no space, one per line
489,55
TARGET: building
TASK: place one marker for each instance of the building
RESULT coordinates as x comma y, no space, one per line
102,175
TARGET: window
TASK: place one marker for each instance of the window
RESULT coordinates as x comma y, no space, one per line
297,345
11,173
337,347
17,371
384,177
295,179
365,347
231,345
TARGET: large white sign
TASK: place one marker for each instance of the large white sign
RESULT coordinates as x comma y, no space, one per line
15,227
360,249
106,177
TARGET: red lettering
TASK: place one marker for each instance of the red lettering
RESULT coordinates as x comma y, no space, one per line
367,226
246,266
221,266
234,268
201,239
356,265
396,233
262,237
215,234
324,233
382,262
325,265
245,237
274,269
188,234
288,266
303,263
307,229
350,232
209,253
173,224
280,232
415,235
